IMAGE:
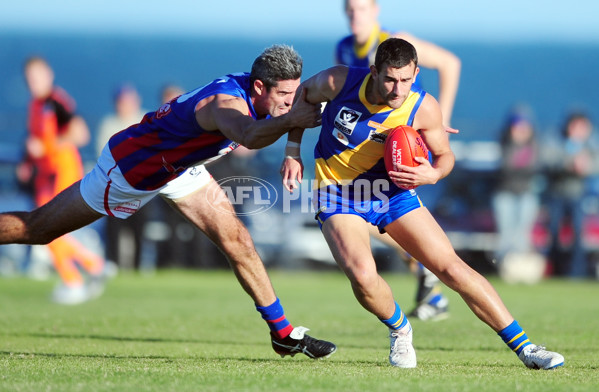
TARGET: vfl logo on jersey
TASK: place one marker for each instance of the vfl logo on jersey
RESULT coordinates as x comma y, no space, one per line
346,120
377,137
164,110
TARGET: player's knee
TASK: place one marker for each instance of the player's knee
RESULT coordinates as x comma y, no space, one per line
363,277
453,273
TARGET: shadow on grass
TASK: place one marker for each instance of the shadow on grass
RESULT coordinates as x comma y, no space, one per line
423,347
287,362
275,360
129,338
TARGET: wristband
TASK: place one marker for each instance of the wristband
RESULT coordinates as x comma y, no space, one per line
292,144
292,157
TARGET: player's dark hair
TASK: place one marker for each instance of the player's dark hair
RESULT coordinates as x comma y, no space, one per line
276,63
395,52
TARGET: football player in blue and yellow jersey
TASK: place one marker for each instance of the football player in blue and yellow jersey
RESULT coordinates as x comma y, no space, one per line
353,190
358,49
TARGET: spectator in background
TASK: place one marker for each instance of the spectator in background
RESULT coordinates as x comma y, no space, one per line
127,111
123,237
359,49
53,160
570,162
170,91
516,201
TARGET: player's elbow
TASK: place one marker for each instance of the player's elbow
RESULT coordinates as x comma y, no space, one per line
253,143
455,63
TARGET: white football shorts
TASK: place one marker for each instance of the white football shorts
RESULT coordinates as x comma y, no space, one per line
106,191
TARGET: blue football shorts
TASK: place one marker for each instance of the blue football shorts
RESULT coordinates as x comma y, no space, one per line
377,208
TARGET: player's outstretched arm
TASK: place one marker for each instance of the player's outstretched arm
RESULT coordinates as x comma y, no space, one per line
322,87
230,115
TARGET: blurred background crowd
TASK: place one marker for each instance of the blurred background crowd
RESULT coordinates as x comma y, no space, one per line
522,201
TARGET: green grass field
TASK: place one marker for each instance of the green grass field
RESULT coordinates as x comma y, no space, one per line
198,331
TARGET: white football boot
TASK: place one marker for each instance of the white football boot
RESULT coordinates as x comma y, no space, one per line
536,357
402,352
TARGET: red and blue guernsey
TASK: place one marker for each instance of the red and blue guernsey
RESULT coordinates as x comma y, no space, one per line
169,140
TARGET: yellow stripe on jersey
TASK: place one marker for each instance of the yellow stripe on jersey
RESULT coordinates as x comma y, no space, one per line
374,39
351,163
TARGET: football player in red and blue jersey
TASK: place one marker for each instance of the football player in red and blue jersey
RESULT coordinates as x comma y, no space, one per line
165,155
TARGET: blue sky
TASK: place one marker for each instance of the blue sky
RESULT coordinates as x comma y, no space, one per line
505,20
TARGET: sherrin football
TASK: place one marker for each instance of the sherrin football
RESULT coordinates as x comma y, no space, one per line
402,145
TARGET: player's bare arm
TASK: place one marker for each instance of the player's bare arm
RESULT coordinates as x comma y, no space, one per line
429,120
322,87
229,115
325,85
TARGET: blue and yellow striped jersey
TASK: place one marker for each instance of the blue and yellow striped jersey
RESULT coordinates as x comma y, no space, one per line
350,54
352,138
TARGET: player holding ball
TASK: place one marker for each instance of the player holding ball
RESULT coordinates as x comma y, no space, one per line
363,105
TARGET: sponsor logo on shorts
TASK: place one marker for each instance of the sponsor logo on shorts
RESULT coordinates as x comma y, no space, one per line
128,207
194,171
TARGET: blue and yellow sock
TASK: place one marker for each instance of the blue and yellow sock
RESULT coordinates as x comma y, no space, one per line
274,315
397,321
514,336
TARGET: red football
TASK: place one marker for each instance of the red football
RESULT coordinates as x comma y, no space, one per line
402,145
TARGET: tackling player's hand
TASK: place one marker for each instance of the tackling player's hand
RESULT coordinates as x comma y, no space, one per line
305,114
292,172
